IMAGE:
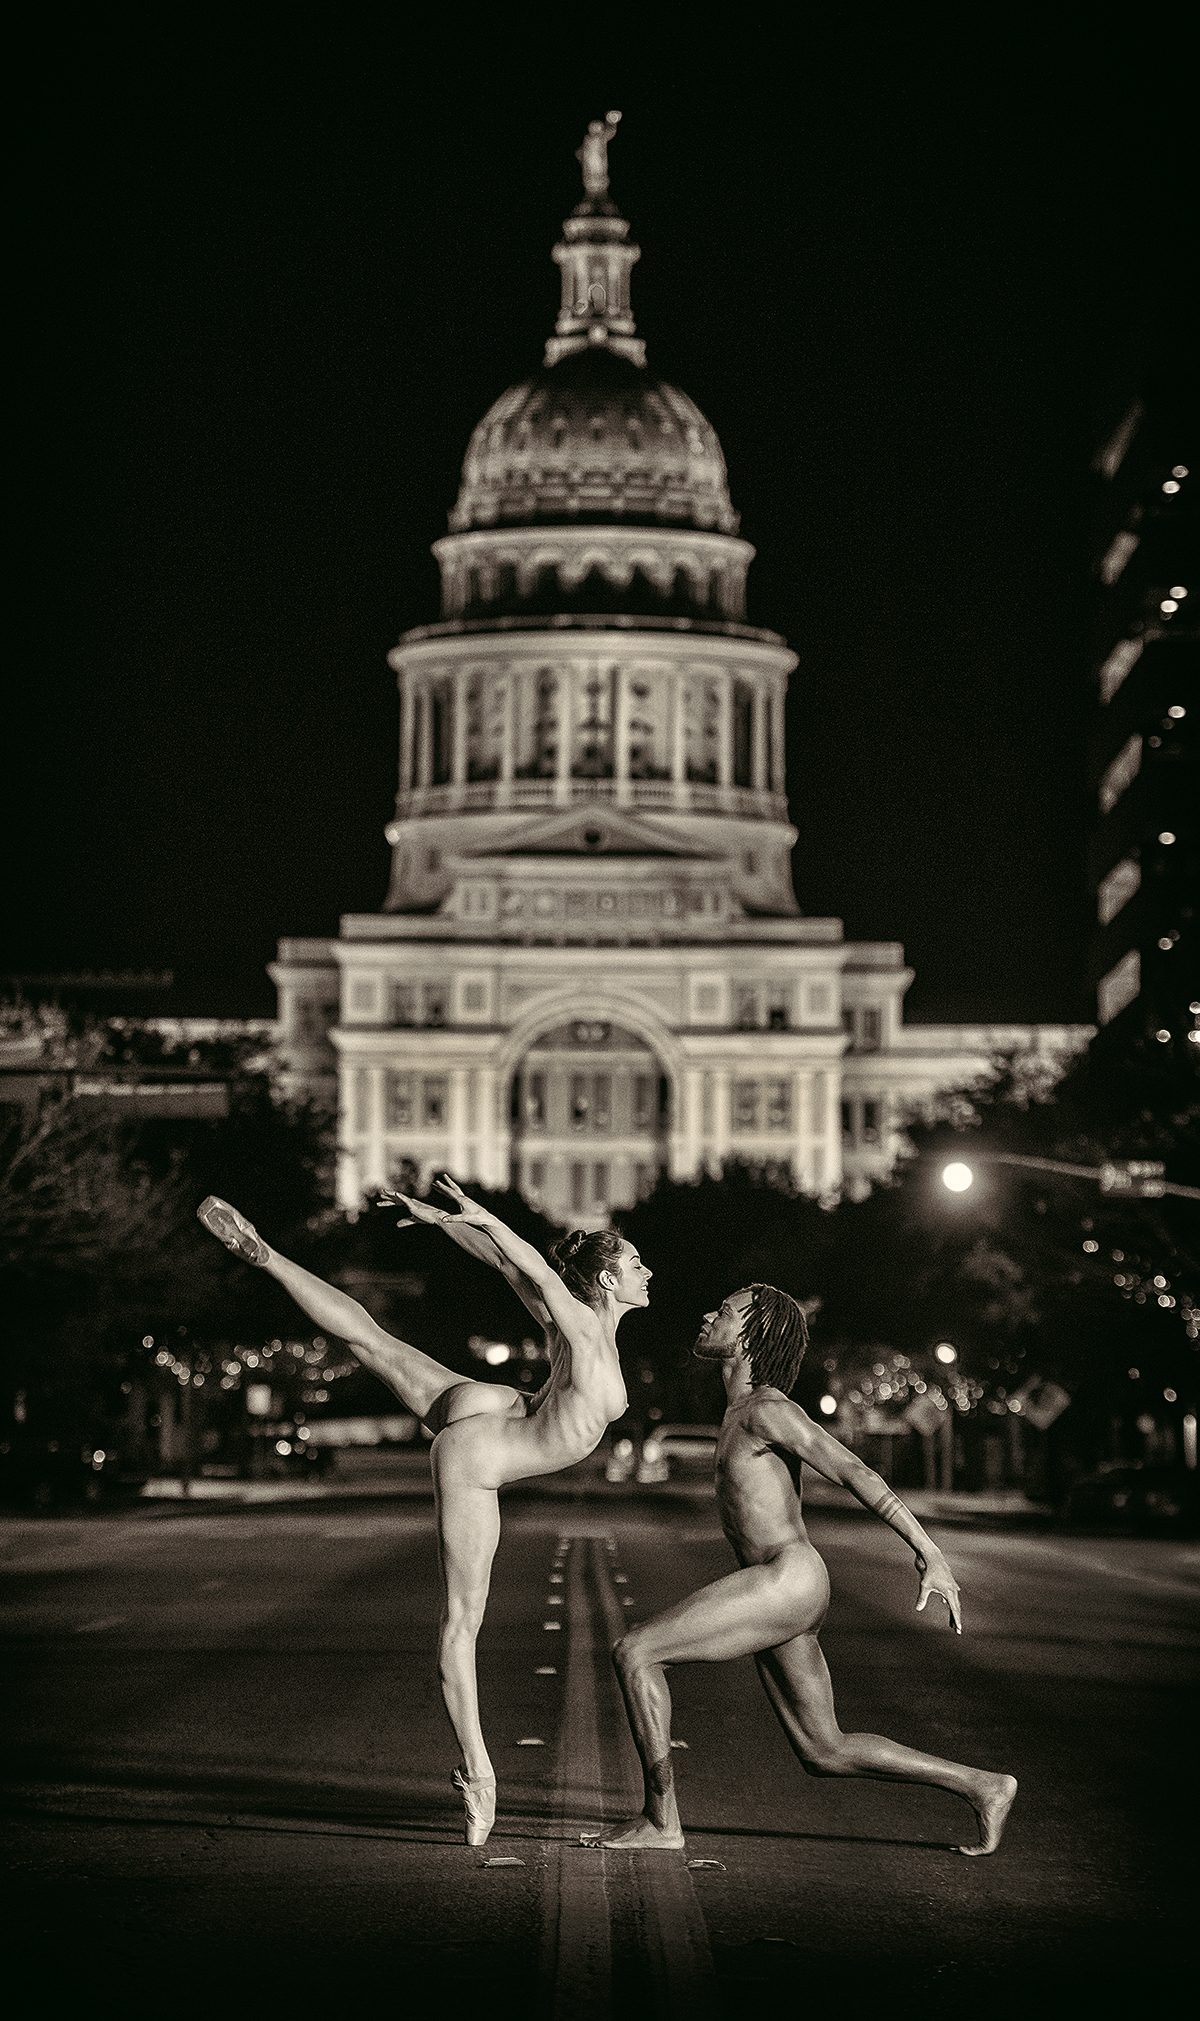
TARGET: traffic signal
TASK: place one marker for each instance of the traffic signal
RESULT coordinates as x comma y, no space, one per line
1137,1178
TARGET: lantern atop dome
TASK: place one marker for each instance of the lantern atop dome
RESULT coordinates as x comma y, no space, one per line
595,259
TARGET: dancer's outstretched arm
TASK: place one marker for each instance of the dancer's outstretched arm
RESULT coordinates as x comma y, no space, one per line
575,1319
478,1242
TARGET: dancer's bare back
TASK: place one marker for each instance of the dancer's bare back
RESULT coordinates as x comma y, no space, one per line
585,1391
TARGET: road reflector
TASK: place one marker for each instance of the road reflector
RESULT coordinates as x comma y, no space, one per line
545,1670
531,1742
719,1864
552,1627
504,1860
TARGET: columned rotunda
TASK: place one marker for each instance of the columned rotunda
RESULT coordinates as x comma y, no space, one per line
590,966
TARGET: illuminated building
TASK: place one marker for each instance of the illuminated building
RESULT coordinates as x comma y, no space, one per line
590,966
1144,853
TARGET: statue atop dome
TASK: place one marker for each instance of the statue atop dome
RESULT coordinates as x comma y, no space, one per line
593,155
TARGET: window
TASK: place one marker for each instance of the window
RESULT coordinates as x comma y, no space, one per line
644,1180
435,1101
474,998
848,1021
818,1001
745,1105
870,1122
602,1113
1117,665
578,1178
1121,773
870,1030
745,1006
848,1122
433,860
743,735
435,1004
362,993
535,1178
600,1185
707,1000
399,1101
777,1009
779,1105
404,1003
535,1101
1117,889
362,1100
1119,987
643,1102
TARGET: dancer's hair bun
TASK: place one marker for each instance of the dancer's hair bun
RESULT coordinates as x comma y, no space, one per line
580,1257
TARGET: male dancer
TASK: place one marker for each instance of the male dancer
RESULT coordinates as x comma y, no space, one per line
773,1607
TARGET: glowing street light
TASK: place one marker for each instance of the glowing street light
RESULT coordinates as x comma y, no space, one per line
944,1353
956,1178
828,1405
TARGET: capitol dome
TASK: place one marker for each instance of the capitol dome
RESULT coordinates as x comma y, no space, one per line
594,439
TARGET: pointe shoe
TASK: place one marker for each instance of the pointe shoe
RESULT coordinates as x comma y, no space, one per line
232,1229
479,1801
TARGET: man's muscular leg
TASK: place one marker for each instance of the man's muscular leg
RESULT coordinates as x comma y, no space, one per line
733,1617
796,1679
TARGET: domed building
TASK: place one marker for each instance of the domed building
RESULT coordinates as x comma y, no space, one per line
590,966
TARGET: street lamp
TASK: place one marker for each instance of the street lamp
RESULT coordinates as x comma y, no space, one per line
944,1353
956,1178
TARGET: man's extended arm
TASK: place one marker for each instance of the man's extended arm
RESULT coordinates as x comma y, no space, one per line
785,1424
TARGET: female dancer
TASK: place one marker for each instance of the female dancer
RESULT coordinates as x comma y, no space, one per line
486,1434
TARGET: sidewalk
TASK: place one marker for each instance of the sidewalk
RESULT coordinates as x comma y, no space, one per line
406,1476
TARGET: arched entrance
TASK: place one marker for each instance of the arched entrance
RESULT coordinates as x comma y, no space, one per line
589,1114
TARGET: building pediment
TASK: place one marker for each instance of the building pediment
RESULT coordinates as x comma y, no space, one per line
585,832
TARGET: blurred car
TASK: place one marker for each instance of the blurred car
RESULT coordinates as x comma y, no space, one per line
687,1449
1129,1495
619,1460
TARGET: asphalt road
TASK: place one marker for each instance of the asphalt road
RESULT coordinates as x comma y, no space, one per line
227,1772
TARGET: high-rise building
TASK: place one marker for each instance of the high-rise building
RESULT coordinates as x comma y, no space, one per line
590,966
1144,852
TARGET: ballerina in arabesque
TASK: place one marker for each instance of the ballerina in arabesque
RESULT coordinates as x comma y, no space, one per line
486,1434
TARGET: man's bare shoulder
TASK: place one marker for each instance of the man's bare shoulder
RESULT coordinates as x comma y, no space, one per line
773,1417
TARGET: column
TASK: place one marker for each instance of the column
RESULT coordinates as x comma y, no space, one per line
678,738
802,1094
459,763
406,733
350,1185
721,1113
458,1122
778,775
724,682
621,737
425,753
562,773
759,773
508,742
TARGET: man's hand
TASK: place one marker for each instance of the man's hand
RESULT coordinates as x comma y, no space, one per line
938,1582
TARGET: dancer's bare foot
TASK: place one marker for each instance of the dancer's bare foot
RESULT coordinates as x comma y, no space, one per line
995,1802
643,1836
232,1229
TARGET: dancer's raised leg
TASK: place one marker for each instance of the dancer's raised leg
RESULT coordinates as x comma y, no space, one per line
416,1378
796,1679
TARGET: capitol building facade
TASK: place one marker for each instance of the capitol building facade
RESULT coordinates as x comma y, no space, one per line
590,967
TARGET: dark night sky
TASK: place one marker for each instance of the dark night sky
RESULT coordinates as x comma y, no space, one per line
268,297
